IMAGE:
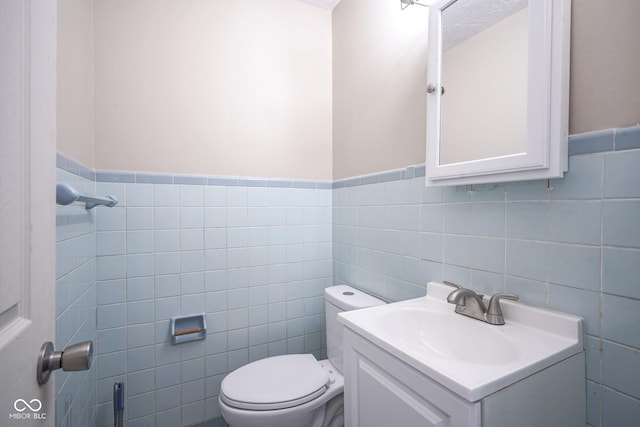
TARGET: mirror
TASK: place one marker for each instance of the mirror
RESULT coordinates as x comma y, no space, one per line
498,90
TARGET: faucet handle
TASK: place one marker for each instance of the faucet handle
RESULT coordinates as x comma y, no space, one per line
494,312
455,285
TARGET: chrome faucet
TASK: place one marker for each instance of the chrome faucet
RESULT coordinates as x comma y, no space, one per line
470,303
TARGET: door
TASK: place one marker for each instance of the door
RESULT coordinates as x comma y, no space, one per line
27,207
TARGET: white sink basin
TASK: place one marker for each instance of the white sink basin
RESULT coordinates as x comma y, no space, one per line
449,336
468,356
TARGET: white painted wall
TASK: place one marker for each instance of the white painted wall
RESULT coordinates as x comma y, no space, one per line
75,80
213,87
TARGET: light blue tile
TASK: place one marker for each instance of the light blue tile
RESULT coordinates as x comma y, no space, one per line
487,283
193,413
431,271
456,274
110,365
166,353
139,195
457,218
140,288
238,298
190,304
168,375
277,312
215,238
575,266
575,222
215,259
237,319
621,317
140,265
192,370
620,272
191,195
167,308
167,263
111,316
237,237
459,193
139,242
593,348
238,339
237,196
622,175
192,217
153,178
619,219
215,217
216,301
167,240
192,283
593,403
169,418
237,258
579,302
106,176
139,218
140,335
528,191
110,243
111,340
621,368
167,218
487,219
431,218
527,259
627,138
166,195
138,358
619,410
167,399
140,312
488,192
432,194
216,364
457,250
527,220
582,181
112,291
192,239
215,280
110,267
593,142
166,286
112,219
487,254
215,196
140,382
529,291
140,405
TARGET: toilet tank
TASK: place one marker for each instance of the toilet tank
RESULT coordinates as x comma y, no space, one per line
337,299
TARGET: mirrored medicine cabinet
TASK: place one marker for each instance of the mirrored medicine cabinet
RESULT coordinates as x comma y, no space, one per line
498,91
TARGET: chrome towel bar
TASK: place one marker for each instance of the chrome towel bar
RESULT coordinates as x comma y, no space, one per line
65,194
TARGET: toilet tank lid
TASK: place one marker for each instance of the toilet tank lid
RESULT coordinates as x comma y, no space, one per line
347,298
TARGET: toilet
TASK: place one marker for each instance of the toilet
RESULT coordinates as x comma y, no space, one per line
295,390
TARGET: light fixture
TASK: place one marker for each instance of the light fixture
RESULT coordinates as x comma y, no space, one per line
406,3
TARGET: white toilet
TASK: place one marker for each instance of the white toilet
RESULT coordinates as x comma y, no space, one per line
294,390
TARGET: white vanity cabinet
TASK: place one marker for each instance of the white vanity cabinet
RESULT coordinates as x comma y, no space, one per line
383,391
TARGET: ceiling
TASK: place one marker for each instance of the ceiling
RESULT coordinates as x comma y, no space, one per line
325,4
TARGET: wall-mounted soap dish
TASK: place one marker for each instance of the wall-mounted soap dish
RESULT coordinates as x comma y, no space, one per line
188,328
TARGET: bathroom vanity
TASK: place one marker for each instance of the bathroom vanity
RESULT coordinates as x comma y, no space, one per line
418,363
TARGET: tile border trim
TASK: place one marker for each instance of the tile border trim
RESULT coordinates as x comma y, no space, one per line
619,139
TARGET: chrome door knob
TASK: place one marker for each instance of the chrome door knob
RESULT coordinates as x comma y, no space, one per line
76,357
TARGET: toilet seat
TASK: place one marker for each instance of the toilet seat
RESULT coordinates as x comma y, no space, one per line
277,382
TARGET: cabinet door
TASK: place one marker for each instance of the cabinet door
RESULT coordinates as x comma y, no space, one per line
380,391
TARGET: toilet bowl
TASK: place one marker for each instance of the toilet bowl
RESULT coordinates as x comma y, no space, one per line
294,390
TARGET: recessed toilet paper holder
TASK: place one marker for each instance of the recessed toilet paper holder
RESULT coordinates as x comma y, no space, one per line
76,357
